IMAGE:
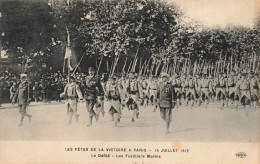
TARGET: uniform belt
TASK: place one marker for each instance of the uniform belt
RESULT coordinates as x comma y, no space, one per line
191,87
204,87
71,97
245,89
153,89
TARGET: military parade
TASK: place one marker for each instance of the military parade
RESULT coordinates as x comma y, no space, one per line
136,92
124,68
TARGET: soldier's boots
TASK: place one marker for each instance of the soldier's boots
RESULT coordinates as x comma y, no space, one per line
133,120
137,114
29,117
97,117
167,127
21,122
90,122
77,117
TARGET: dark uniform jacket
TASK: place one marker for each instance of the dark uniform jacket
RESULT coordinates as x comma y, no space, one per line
166,95
93,88
21,94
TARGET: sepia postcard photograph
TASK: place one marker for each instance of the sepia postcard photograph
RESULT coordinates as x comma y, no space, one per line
129,81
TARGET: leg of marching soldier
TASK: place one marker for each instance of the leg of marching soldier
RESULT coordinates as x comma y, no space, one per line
22,109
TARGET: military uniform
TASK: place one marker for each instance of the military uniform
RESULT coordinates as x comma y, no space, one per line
254,89
178,89
36,92
221,86
22,98
133,95
72,93
166,100
92,90
152,91
115,96
231,87
204,88
190,93
12,91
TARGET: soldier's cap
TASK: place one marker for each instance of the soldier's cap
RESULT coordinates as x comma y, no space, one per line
23,75
243,74
164,74
221,73
91,69
252,73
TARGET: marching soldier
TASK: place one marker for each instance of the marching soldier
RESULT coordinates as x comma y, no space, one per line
221,88
211,88
152,92
133,96
36,91
245,95
185,87
114,95
190,94
22,97
12,90
204,87
92,91
166,100
72,93
254,89
231,88
178,90
144,86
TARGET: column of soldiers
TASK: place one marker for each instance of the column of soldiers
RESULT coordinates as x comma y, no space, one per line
136,92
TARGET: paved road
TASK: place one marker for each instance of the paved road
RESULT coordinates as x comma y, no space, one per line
49,123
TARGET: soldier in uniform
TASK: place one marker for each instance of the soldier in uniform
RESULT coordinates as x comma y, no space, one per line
178,90
244,91
115,97
152,92
36,91
231,88
211,88
13,90
166,100
185,87
190,94
254,89
204,88
43,88
93,89
133,95
144,86
22,98
221,88
72,93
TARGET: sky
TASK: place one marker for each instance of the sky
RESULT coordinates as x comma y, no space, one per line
221,12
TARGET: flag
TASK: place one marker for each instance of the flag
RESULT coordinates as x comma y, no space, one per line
70,58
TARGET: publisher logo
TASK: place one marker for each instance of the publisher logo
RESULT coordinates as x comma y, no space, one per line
241,155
